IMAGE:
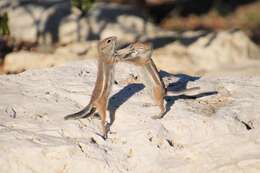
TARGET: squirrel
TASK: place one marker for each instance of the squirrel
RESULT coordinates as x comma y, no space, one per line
105,77
141,56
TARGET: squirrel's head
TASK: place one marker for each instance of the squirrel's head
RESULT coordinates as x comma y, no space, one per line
141,50
107,46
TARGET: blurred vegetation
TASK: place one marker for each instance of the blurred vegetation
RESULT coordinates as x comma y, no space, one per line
246,16
83,5
217,15
4,30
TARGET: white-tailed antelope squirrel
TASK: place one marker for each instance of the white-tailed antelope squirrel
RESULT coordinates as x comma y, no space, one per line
141,56
103,86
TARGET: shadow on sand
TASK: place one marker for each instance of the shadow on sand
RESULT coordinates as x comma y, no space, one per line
123,95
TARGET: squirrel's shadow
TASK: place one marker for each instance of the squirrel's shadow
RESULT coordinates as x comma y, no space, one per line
124,94
181,84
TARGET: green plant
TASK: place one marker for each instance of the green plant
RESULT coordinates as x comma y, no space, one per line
4,30
83,5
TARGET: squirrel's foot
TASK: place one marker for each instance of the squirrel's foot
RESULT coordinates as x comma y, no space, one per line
160,116
155,117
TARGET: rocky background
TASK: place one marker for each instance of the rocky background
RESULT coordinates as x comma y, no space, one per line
49,33
209,44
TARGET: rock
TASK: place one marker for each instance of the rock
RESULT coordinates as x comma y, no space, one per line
37,21
110,12
133,23
215,132
191,52
73,28
130,28
126,22
216,50
56,23
4,6
18,62
202,52
79,50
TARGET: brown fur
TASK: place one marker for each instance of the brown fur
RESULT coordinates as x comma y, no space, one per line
103,86
141,56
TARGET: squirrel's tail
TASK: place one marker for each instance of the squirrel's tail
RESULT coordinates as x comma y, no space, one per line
181,92
84,113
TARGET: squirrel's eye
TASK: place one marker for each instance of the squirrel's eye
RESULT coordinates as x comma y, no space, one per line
108,41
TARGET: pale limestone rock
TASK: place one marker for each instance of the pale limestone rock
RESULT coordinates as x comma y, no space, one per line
20,61
73,28
37,21
23,60
191,52
57,23
217,132
199,52
218,49
24,22
79,49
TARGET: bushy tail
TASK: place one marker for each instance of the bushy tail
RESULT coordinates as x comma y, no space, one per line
84,113
185,91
